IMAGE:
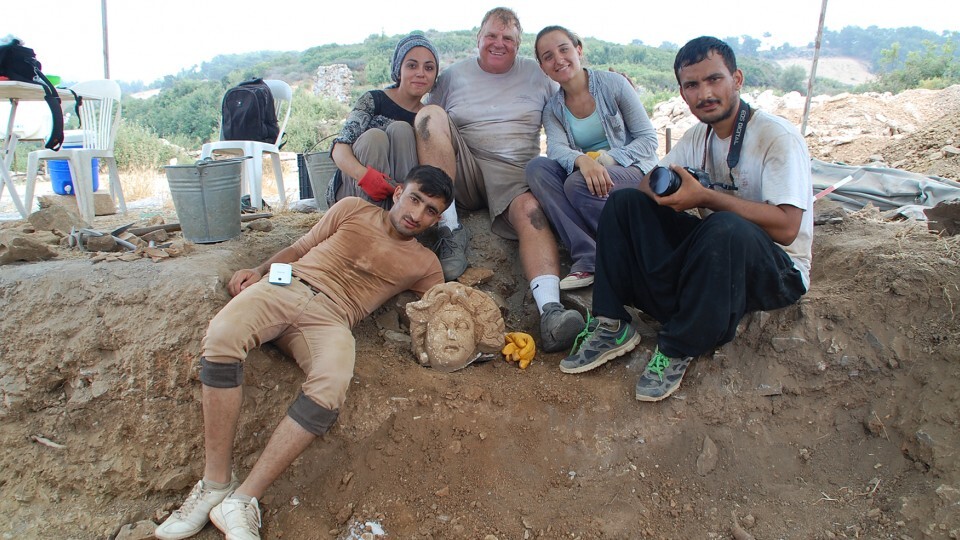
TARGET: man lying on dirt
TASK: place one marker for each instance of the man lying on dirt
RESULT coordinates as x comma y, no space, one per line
482,126
353,260
698,277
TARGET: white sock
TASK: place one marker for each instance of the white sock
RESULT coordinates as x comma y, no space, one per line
546,289
216,486
241,497
449,217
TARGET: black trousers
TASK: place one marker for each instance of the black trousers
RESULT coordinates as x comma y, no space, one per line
697,277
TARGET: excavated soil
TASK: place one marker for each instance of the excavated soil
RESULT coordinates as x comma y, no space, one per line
835,418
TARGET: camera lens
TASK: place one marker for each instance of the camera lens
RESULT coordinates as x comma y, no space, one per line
664,181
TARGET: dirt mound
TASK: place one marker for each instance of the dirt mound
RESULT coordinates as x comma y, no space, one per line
907,130
837,417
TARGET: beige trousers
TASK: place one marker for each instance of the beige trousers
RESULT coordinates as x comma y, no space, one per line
311,328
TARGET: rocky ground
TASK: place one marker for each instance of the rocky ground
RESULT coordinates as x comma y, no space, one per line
834,418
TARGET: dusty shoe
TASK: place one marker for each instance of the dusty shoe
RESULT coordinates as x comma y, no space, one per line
602,344
237,519
187,520
576,280
661,377
451,249
559,327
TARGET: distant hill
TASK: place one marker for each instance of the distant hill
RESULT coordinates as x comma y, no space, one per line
185,107
649,66
842,69
864,44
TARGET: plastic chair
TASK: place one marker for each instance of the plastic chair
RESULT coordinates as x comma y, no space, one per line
253,168
100,118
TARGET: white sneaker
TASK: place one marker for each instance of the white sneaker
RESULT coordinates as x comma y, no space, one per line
237,519
576,280
187,520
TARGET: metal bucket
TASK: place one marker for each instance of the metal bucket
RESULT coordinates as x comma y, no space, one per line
320,168
206,196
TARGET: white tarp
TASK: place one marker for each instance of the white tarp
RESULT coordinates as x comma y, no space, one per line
892,191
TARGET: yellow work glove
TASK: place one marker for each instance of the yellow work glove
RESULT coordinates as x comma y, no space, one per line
602,157
519,348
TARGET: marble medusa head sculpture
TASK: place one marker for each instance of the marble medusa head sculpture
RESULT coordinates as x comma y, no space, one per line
454,324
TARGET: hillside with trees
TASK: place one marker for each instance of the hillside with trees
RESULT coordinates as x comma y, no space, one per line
186,111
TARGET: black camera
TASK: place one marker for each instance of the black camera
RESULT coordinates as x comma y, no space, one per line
664,181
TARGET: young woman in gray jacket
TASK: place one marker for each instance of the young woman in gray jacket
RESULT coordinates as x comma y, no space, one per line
599,139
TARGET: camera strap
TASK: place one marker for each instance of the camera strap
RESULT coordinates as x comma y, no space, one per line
744,113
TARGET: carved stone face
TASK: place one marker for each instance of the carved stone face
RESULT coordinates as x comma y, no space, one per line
452,325
450,336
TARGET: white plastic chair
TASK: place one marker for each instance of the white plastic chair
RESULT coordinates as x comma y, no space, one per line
100,118
253,168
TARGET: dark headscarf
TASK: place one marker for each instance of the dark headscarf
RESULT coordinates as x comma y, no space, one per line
407,43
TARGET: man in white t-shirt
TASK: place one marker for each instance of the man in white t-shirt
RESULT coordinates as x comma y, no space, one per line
698,277
482,127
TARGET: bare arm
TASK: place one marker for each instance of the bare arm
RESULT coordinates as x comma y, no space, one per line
347,162
595,175
781,222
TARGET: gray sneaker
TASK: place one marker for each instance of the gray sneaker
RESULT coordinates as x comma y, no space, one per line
451,249
237,519
602,344
191,517
661,377
559,327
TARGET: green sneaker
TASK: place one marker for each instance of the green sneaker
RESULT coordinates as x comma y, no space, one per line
603,343
661,377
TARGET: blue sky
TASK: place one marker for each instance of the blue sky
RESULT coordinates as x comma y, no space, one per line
149,39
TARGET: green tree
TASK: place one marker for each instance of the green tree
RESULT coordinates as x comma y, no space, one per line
759,73
139,148
936,66
188,112
793,79
312,120
377,71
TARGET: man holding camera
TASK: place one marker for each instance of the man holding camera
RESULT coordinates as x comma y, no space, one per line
748,173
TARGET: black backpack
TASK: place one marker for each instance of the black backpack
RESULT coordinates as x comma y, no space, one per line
249,114
19,63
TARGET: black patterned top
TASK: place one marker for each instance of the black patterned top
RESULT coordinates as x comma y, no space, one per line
373,110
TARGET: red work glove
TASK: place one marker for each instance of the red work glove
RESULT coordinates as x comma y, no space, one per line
374,183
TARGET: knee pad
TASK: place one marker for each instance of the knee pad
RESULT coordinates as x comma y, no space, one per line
312,417
220,375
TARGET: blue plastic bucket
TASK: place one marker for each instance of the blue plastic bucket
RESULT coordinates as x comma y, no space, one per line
60,175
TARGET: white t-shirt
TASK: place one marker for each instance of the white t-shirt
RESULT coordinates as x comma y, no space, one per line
774,168
498,114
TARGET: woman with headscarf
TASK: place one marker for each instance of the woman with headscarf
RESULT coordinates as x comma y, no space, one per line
376,147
